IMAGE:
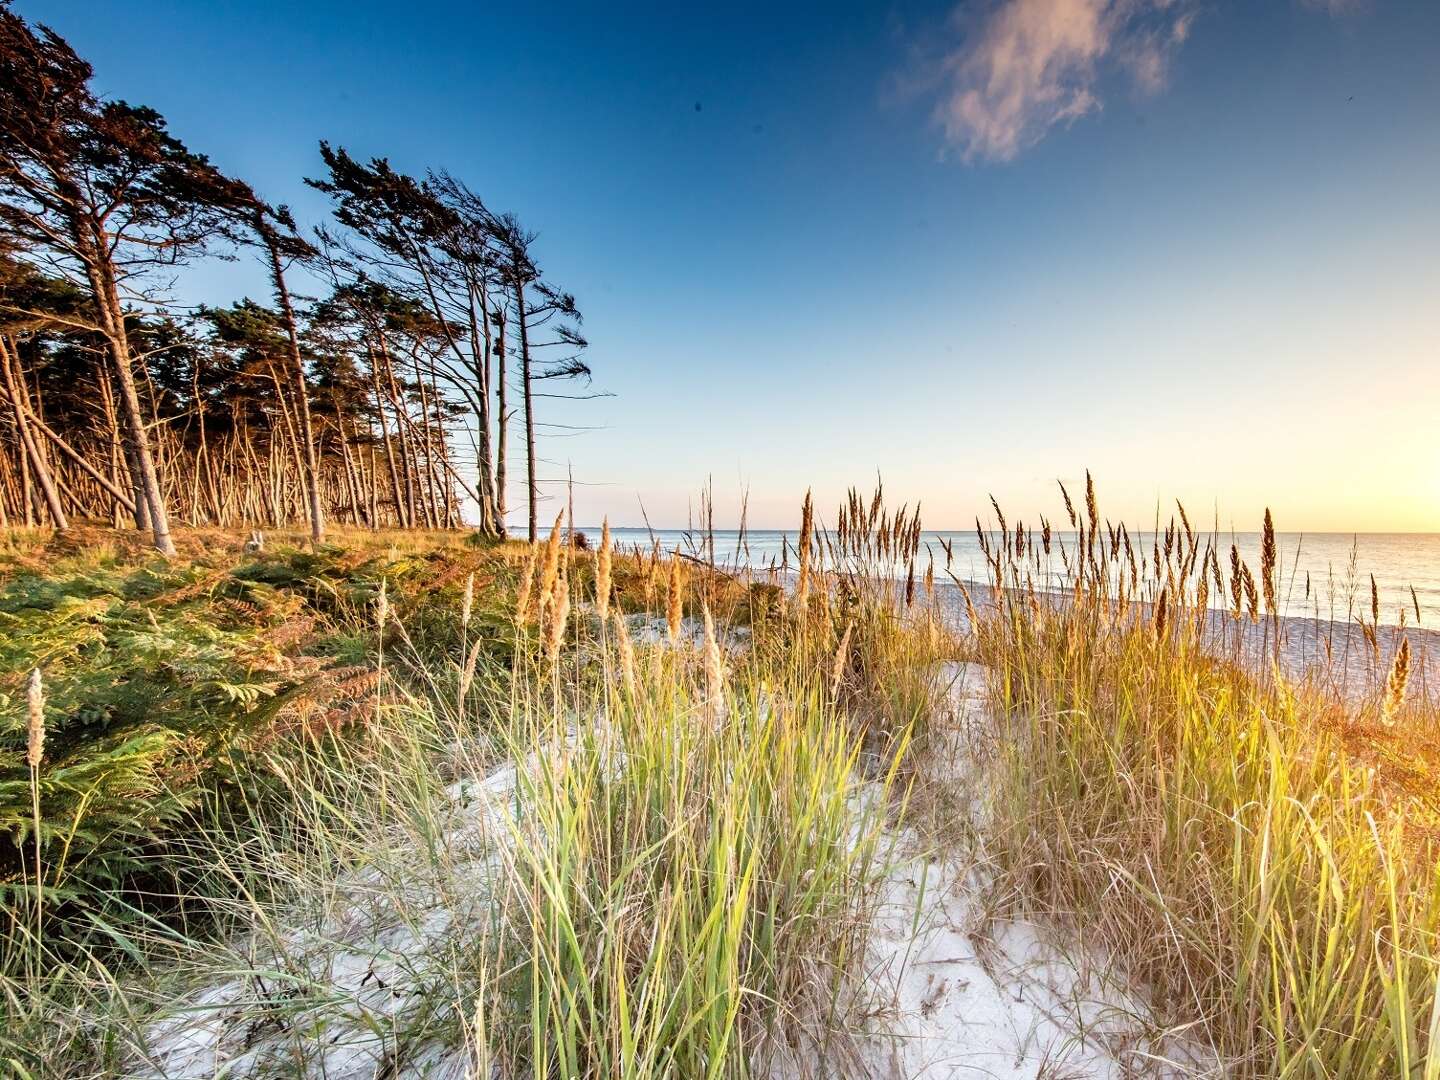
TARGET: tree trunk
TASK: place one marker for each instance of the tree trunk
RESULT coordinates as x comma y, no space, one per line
480,348
530,484
106,298
385,439
302,392
29,448
503,424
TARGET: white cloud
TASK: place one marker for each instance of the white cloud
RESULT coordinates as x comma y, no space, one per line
1025,66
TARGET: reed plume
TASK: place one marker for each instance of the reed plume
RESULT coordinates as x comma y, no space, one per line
467,601
602,573
1268,559
837,669
467,673
674,607
35,719
1069,506
551,567
557,611
970,613
1092,510
1397,683
1185,521
34,754
627,654
382,606
807,527
1237,586
714,667
527,584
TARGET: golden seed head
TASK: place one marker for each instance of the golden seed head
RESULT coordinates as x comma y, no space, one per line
382,605
467,600
551,566
1269,557
557,612
802,551
602,572
35,719
674,608
714,665
837,669
627,653
1398,682
527,585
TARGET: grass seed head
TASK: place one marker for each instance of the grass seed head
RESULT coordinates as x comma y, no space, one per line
527,585
550,569
674,607
1269,558
602,572
714,665
557,612
627,653
35,719
1398,682
467,600
837,669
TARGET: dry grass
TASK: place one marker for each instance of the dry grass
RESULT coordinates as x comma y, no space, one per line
679,875
1254,853
677,882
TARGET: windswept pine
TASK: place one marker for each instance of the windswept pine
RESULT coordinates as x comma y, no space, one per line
382,403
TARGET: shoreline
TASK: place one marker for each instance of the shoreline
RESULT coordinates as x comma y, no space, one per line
1331,654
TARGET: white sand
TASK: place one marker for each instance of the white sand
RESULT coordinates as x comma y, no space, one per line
951,992
334,998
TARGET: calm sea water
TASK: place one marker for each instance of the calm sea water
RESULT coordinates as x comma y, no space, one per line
1324,574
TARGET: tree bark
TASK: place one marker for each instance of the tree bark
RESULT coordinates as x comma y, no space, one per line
111,315
39,468
503,424
530,483
302,391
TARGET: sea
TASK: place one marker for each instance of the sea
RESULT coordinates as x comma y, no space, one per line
1322,575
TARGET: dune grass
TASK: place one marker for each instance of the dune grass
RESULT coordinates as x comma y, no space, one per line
1256,852
626,813
622,849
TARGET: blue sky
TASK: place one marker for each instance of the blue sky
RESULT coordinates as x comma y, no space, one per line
1192,246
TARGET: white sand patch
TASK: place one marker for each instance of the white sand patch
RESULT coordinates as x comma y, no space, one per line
347,991
948,991
653,630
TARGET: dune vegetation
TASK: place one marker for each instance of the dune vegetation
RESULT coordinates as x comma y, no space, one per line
412,801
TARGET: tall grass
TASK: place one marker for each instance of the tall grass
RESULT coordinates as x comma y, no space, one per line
572,848
626,815
1218,826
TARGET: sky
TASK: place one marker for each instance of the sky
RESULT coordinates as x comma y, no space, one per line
1190,245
